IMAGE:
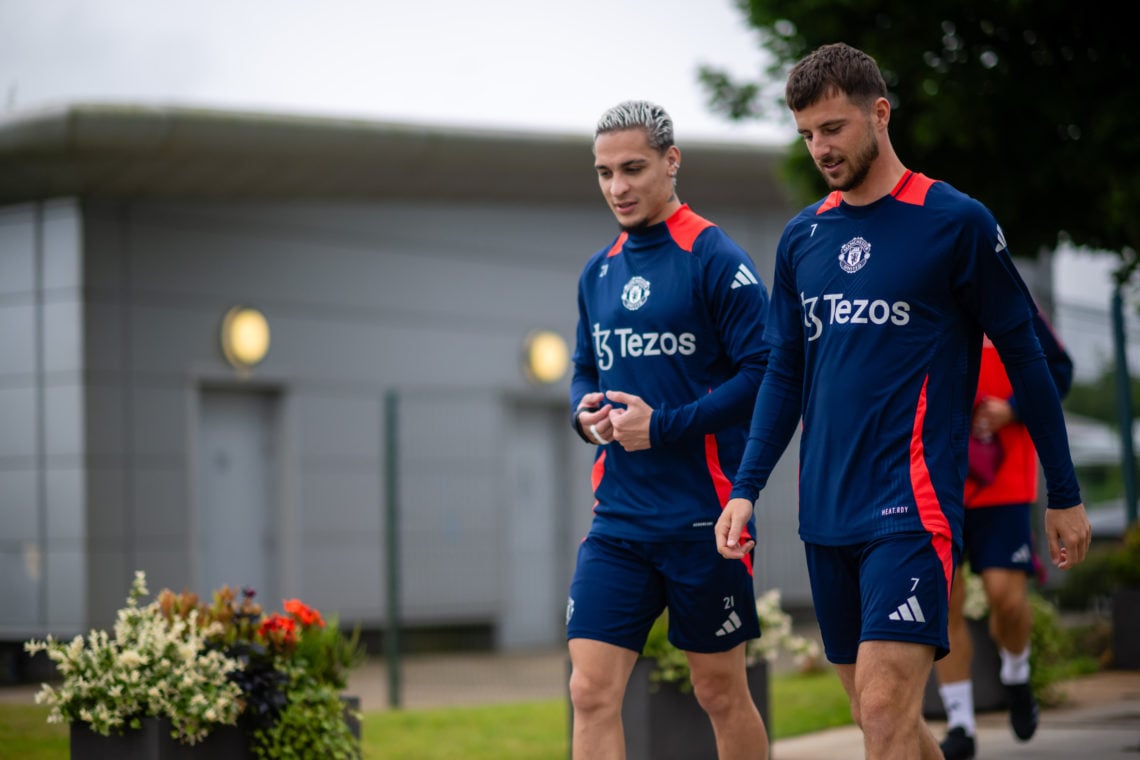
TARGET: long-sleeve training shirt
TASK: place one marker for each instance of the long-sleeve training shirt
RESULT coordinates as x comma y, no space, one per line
876,327
673,313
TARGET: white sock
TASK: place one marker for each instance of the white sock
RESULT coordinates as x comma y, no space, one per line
958,700
1014,667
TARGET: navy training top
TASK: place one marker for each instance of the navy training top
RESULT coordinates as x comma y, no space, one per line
673,313
876,327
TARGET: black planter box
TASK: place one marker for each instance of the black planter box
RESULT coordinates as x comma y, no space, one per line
662,722
1126,628
153,742
985,673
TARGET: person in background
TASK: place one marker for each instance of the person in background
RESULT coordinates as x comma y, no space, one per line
997,536
881,294
668,358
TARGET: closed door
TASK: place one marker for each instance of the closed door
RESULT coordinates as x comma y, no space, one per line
537,523
237,504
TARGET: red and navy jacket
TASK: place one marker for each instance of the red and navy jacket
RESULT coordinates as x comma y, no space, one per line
1015,481
673,313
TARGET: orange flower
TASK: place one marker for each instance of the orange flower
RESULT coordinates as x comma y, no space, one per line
278,629
304,614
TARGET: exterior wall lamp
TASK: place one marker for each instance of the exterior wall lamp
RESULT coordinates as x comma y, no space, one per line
546,357
245,337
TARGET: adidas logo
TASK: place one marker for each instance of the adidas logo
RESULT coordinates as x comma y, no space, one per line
910,610
731,624
1021,555
744,277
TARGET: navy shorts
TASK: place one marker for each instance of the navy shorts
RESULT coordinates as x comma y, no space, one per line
621,587
999,537
894,588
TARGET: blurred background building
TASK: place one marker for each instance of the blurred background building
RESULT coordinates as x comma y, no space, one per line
372,397
291,354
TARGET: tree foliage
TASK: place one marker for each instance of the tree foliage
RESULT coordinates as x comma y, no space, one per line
1097,398
1028,106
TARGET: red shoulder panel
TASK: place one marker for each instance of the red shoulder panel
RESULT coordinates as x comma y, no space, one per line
912,188
616,249
832,201
685,226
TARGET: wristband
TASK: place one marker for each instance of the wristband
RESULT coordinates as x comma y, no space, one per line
597,436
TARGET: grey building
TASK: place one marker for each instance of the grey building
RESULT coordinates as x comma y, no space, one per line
400,270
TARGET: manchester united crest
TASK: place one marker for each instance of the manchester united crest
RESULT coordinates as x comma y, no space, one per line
635,293
854,254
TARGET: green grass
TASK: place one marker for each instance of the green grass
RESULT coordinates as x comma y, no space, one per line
535,730
26,734
803,703
524,731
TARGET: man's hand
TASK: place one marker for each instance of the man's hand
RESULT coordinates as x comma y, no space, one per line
1069,534
630,425
990,415
733,518
595,422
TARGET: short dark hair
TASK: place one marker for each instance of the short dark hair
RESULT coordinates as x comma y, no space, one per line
834,68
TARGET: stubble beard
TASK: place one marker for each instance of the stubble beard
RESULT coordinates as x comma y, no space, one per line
860,163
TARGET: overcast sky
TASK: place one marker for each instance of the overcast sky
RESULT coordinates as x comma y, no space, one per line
498,63
515,64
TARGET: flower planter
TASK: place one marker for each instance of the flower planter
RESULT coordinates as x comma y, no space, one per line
1126,628
662,722
985,673
153,741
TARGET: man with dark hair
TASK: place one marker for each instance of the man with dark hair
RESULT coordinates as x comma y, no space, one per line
882,292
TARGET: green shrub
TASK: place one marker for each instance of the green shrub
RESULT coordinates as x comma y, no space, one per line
1053,653
1125,561
1106,568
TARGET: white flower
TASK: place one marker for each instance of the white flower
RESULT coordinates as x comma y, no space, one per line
110,679
776,634
131,659
975,605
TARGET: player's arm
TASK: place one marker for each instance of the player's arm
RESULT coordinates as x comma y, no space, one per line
1067,525
739,314
774,419
1058,359
991,288
589,412
1041,411
776,409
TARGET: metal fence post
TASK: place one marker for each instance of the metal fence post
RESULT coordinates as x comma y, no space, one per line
392,542
1124,407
